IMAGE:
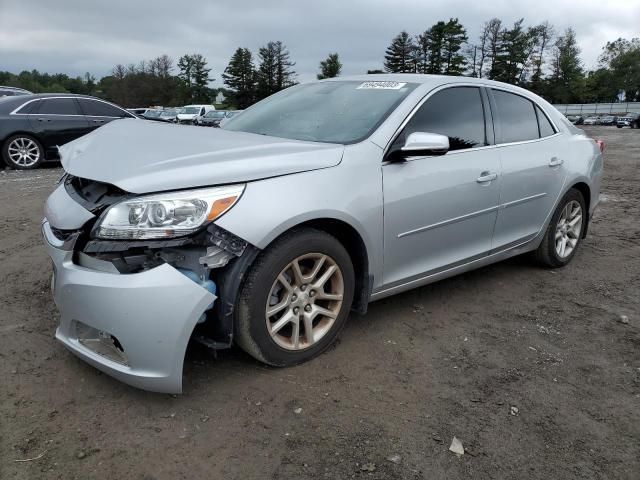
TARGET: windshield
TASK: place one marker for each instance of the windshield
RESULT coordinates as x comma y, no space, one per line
152,113
215,114
168,113
331,112
190,110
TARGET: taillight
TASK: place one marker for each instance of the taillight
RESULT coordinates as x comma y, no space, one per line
600,145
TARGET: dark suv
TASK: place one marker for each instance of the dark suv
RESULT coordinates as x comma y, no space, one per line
629,120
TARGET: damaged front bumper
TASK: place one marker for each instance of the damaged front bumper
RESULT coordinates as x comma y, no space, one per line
134,327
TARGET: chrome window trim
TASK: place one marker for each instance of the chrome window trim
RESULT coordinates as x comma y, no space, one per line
426,97
553,124
439,88
15,110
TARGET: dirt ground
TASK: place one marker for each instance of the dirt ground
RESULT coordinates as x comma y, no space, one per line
450,359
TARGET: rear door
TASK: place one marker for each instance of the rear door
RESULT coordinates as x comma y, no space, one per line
98,113
532,153
57,121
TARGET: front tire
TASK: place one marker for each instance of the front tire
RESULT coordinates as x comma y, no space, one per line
22,152
296,298
565,231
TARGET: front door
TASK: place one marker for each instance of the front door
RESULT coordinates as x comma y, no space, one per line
440,211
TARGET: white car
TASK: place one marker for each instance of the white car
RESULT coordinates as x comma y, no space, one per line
592,121
190,112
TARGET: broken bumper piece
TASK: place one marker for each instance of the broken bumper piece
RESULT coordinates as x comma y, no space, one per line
134,327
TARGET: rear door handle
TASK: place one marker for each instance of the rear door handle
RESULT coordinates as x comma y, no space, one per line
486,177
555,162
44,119
98,121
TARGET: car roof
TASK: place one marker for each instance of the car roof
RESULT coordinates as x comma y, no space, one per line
8,104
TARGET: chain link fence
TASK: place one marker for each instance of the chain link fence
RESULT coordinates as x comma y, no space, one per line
598,108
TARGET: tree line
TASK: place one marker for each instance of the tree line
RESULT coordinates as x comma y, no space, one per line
533,56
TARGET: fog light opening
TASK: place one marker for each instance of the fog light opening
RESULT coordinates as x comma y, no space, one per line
103,343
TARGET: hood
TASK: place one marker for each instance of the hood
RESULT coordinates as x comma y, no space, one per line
142,156
187,116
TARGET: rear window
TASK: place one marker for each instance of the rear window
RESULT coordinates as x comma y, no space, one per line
516,117
58,106
95,108
29,107
546,129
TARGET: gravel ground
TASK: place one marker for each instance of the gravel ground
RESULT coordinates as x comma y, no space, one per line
531,369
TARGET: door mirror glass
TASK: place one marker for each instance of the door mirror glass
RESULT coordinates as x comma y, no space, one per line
420,144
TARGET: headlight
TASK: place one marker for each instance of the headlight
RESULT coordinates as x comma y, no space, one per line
166,215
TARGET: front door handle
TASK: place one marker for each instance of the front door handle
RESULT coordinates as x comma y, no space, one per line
44,119
486,177
555,162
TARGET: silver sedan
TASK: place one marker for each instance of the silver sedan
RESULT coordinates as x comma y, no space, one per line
314,202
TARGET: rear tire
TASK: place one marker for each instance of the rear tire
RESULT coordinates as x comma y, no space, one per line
565,231
287,315
22,152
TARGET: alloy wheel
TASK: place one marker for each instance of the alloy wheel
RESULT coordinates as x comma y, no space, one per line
304,301
24,152
568,229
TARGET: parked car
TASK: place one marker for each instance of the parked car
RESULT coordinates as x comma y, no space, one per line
608,120
138,111
631,120
189,112
32,127
314,202
229,115
151,114
575,119
211,119
13,91
592,121
168,115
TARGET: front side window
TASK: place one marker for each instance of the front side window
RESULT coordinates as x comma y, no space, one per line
94,108
455,112
516,117
333,112
58,106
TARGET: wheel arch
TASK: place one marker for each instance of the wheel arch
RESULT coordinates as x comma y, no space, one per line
585,190
353,242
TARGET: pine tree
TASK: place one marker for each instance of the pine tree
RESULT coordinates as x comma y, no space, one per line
567,77
513,49
435,38
330,67
400,55
422,52
240,77
542,36
194,75
275,72
455,35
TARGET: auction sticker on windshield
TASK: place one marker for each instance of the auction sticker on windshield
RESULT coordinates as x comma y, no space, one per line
382,85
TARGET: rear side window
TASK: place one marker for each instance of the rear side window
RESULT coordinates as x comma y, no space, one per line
29,107
94,108
546,129
516,117
455,112
58,106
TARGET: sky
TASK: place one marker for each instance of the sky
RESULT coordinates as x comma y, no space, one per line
78,36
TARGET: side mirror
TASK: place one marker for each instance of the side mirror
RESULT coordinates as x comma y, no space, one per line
423,144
